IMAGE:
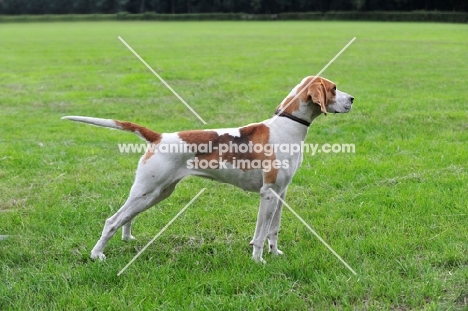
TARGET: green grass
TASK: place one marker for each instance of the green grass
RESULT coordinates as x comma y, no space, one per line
395,210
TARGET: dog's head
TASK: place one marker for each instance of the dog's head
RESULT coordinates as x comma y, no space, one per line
324,93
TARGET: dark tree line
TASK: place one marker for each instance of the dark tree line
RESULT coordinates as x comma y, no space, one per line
223,6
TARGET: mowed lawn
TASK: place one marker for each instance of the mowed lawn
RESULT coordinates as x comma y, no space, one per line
395,210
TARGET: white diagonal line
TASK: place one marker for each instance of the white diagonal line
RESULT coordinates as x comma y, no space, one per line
162,80
315,77
160,232
315,233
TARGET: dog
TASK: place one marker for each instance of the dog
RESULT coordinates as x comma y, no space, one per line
257,157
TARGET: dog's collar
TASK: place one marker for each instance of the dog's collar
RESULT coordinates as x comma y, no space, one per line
290,116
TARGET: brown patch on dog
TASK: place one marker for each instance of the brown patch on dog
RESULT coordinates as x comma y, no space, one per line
149,153
198,136
270,176
255,134
146,133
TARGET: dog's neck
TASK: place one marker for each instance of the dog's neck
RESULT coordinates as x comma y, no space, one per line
307,111
292,128
304,114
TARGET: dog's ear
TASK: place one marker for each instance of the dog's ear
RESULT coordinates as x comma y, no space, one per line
317,93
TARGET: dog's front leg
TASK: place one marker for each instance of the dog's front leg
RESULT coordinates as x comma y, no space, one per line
266,212
274,227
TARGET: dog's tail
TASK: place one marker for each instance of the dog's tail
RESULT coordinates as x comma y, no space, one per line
143,132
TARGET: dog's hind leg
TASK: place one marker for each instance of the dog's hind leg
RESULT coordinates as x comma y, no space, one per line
135,204
127,227
127,231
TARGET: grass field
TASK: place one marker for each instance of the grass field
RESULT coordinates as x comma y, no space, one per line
395,210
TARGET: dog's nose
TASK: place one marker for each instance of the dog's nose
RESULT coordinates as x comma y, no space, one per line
351,99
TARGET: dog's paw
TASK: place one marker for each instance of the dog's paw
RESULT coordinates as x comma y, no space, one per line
259,260
128,238
274,249
98,256
276,252
257,253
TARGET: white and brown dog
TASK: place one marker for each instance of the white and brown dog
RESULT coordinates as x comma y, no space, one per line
246,157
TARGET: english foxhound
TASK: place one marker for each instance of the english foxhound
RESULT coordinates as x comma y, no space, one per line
254,158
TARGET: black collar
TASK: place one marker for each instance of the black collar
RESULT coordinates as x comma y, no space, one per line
290,116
